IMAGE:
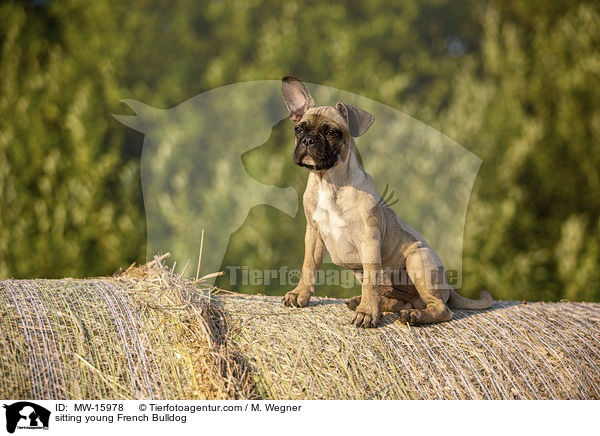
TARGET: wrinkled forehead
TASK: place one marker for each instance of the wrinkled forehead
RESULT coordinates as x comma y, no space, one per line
324,113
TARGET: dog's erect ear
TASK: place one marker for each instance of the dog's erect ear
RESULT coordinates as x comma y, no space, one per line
358,120
297,98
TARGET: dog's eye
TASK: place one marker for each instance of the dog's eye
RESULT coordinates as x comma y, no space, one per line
298,129
332,132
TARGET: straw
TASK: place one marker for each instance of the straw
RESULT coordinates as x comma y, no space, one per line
147,333
510,351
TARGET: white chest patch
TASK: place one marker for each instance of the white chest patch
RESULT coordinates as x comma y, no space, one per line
327,217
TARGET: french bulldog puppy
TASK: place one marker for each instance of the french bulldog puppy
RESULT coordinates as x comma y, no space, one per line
346,215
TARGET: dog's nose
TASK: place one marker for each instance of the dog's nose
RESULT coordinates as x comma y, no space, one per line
307,141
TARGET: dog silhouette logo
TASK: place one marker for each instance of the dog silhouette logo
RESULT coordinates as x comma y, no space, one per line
196,156
192,172
26,415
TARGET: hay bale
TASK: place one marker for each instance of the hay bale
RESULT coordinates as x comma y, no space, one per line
510,351
148,334
144,335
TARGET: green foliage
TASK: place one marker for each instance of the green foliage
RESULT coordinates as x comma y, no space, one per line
529,106
69,202
515,82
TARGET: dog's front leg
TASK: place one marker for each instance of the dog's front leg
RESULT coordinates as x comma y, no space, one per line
314,249
368,312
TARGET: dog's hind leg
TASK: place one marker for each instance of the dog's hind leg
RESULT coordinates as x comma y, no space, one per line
386,304
394,305
433,312
423,267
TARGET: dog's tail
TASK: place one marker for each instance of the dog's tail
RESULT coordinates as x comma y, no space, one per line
456,301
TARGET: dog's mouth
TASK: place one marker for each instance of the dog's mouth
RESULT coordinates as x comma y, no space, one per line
320,158
308,162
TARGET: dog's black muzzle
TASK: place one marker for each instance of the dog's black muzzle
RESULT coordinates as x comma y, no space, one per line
318,148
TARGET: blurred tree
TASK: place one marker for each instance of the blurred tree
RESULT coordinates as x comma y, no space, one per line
69,203
513,81
529,106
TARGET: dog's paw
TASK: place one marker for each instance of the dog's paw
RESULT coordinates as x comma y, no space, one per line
296,299
364,317
353,302
411,316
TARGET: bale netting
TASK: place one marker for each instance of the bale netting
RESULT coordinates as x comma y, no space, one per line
148,334
510,351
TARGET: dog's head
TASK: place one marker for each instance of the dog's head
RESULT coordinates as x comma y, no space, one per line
324,133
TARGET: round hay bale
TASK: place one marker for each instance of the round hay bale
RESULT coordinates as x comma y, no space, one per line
144,335
148,334
510,351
